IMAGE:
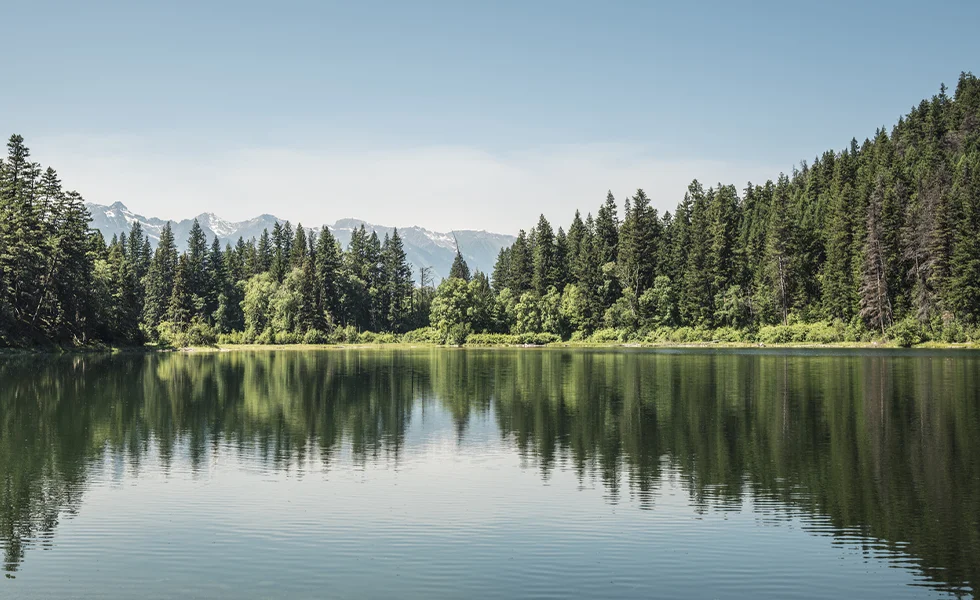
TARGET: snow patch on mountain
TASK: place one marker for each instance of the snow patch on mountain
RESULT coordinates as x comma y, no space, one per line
424,247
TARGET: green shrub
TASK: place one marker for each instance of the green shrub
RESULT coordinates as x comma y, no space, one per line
424,335
344,335
232,337
366,337
683,335
731,335
266,337
907,332
287,337
609,334
370,337
173,335
169,335
456,334
823,332
315,337
951,332
491,339
775,334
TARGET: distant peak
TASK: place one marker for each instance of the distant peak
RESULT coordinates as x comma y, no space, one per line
349,223
118,206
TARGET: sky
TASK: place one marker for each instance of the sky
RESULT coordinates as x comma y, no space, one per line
455,115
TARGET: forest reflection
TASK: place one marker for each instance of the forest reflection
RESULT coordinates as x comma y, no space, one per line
883,445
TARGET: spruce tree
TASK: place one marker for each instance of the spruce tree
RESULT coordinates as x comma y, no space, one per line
544,261
160,279
180,307
459,268
521,265
876,304
398,283
328,273
299,248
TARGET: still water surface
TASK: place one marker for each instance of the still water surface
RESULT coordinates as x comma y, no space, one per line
438,473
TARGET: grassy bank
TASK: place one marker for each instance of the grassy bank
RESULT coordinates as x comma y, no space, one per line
905,334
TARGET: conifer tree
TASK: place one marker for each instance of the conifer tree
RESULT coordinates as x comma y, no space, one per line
299,248
459,269
876,305
398,283
328,273
160,279
180,307
544,261
521,265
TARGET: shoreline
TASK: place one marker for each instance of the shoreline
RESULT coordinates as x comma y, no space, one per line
13,352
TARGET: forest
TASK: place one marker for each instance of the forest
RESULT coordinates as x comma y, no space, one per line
877,242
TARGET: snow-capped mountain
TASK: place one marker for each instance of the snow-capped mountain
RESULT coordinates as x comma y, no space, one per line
422,246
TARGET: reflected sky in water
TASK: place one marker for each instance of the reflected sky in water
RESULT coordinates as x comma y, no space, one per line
491,473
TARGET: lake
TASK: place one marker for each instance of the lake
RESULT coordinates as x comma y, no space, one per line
497,473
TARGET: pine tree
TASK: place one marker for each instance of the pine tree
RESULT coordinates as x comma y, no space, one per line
197,252
606,241
459,269
876,306
263,254
723,231
963,289
576,234
215,279
398,283
563,267
299,248
839,230
521,265
638,261
280,250
777,272
328,273
180,307
696,280
501,270
544,261
160,279
310,314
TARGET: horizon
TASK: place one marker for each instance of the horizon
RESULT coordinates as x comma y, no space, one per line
455,118
291,221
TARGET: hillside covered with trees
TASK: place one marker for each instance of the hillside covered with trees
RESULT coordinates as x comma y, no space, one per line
879,240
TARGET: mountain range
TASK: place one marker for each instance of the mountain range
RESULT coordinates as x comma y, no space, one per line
422,246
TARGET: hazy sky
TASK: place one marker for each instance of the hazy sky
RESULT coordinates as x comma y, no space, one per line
453,114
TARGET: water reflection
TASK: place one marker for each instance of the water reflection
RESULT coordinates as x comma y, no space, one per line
871,446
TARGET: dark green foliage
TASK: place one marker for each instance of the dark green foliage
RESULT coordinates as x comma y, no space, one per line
459,269
160,279
396,284
878,232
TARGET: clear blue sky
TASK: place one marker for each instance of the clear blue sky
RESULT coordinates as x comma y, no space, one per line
513,90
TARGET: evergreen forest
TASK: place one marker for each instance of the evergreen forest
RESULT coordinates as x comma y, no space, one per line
879,241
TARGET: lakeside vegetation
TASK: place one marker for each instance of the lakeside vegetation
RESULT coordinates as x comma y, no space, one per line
879,242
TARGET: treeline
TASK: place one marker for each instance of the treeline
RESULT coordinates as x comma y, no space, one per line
62,283
879,240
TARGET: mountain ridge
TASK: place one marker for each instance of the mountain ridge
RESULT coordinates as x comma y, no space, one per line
423,247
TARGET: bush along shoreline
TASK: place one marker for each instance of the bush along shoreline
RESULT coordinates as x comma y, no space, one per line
906,334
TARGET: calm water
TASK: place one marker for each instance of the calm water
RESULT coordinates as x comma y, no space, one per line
491,474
